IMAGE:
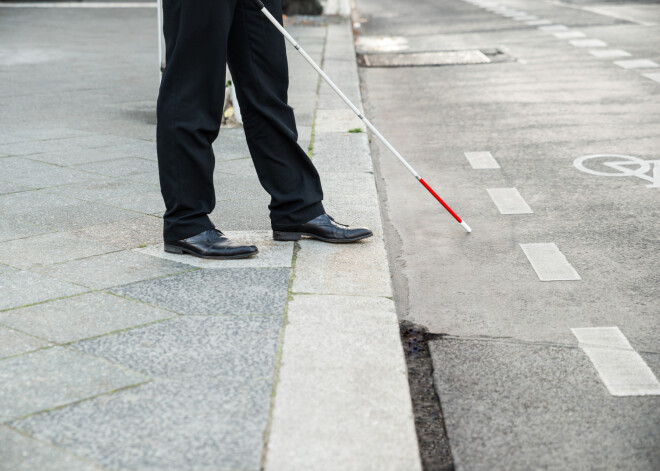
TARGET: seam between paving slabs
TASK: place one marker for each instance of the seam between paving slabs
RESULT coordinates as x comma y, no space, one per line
278,355
57,447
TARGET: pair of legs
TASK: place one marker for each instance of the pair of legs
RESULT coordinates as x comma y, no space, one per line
201,37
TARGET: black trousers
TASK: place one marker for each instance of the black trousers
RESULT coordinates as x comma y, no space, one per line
202,36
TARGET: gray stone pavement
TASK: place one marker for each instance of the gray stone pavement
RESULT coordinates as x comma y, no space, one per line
117,356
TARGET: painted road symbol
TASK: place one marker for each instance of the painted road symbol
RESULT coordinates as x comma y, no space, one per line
614,165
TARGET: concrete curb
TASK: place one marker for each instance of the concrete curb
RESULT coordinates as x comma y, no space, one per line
342,400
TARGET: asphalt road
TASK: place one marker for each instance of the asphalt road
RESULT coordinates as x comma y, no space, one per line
516,388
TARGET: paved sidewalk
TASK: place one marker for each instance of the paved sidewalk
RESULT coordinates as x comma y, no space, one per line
114,355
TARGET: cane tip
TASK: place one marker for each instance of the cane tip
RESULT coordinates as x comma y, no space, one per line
467,228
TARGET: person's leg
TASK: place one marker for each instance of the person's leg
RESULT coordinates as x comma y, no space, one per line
258,65
190,109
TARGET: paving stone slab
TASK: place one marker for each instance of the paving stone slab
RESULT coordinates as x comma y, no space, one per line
150,178
21,453
271,253
232,291
204,425
145,202
47,249
239,187
80,317
342,394
11,227
101,190
337,121
241,215
362,211
347,183
13,342
113,269
34,133
126,234
359,269
121,167
194,347
35,174
74,216
21,288
54,377
11,187
334,152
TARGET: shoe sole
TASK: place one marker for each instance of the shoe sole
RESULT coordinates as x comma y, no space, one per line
183,251
293,236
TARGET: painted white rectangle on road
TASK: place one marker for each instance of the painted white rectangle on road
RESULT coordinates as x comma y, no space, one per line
623,371
609,53
637,64
481,160
653,76
549,263
588,43
509,201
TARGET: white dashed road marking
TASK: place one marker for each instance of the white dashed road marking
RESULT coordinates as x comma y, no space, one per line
637,64
609,53
481,160
620,367
588,43
654,76
549,263
509,201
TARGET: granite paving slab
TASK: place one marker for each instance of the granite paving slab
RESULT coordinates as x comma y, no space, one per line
11,187
112,269
241,215
22,453
13,342
343,400
243,166
342,152
76,216
359,269
144,202
125,234
80,317
241,187
337,121
101,190
54,377
37,251
33,174
121,167
20,288
11,227
208,425
345,183
150,178
271,253
233,291
33,133
194,347
361,211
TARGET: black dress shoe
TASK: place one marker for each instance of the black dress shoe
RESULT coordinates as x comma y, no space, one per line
323,228
211,244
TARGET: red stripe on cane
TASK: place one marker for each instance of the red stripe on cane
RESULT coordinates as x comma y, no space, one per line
451,211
